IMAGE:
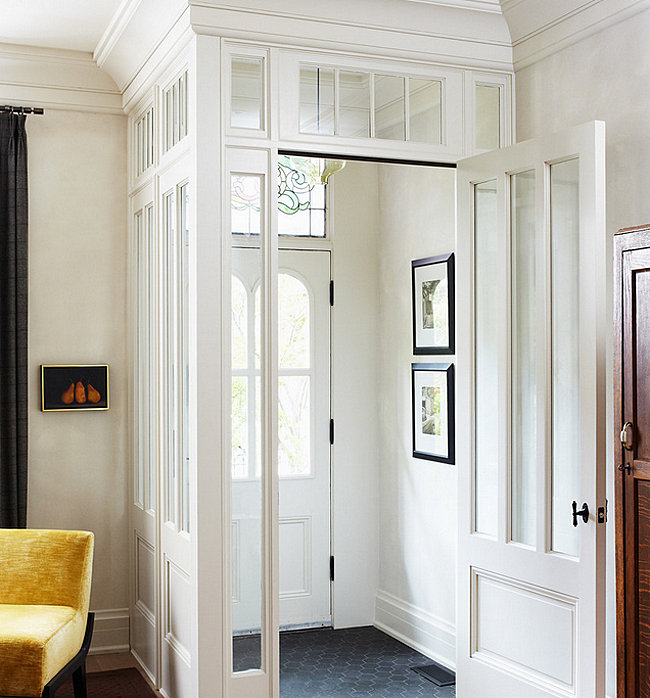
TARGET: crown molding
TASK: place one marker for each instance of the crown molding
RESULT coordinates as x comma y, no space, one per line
479,5
559,30
56,79
117,25
448,42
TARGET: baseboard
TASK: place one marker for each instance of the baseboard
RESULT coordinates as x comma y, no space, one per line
111,633
417,628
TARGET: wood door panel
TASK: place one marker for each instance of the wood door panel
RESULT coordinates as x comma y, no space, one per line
643,586
641,362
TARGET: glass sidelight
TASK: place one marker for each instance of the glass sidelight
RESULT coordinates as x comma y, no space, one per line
251,283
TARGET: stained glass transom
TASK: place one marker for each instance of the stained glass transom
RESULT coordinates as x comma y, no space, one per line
301,197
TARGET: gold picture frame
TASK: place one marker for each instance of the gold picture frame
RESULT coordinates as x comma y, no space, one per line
75,387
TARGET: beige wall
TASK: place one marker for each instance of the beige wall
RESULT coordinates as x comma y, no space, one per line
602,77
418,497
77,310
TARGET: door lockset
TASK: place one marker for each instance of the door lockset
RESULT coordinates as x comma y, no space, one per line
583,513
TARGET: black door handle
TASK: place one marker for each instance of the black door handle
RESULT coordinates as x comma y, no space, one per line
583,513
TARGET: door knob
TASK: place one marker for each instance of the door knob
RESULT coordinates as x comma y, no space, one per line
583,513
625,436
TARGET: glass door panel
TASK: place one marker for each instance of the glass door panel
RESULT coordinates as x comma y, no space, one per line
565,314
487,307
523,353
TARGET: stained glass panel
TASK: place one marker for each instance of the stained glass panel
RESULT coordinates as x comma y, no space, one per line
301,197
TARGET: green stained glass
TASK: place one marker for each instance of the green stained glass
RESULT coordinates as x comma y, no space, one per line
301,196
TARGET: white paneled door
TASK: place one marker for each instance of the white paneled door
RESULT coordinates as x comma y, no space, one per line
532,320
303,439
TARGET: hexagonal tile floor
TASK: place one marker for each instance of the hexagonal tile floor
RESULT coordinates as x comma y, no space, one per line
351,663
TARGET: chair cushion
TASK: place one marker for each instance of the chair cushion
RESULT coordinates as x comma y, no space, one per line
36,642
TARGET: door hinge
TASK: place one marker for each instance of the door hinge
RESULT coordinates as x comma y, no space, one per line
332,292
331,568
331,432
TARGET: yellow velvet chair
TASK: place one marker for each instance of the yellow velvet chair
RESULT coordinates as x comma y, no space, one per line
45,627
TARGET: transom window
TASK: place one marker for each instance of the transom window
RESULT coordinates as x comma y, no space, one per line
302,198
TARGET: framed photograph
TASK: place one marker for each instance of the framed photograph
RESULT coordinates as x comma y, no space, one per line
433,412
74,387
432,282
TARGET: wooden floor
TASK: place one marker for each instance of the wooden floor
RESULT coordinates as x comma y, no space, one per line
108,662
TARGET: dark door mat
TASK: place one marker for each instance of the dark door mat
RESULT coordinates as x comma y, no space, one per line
120,683
436,674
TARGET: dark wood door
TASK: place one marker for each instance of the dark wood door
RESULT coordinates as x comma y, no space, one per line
632,449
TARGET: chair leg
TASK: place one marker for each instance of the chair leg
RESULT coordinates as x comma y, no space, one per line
79,682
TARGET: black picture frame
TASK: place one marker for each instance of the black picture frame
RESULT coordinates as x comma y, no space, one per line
57,380
424,446
422,271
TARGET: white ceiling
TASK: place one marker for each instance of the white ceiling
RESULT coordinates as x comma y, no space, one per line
69,24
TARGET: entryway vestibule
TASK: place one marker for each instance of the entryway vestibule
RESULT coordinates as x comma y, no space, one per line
364,107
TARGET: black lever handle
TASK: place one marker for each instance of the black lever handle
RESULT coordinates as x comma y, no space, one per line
583,513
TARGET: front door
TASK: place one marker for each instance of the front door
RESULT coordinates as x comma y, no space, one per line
531,324
303,439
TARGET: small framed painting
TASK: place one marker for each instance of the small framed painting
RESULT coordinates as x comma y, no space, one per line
67,387
433,412
432,282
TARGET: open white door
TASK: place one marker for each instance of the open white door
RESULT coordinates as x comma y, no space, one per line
531,321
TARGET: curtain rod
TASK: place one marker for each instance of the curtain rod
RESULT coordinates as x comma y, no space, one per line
21,110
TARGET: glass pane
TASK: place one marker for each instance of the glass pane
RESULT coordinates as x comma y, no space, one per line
246,440
240,435
565,261
246,204
316,100
150,368
301,196
488,313
294,417
487,120
171,367
425,111
184,302
246,88
390,121
524,365
354,104
141,314
239,324
293,329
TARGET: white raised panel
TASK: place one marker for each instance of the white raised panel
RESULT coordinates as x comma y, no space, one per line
178,616
295,547
543,650
145,579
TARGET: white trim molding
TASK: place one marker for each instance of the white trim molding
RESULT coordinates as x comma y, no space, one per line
539,30
432,636
111,632
56,79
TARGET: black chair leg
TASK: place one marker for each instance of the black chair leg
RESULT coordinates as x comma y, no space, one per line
79,682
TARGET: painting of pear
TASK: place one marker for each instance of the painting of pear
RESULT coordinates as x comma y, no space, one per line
93,395
80,393
68,396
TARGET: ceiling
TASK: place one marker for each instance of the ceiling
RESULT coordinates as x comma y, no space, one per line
69,24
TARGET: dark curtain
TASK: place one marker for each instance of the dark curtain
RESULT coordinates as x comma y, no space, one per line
13,321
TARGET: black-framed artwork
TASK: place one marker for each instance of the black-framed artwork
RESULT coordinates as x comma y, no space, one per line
432,285
70,387
434,432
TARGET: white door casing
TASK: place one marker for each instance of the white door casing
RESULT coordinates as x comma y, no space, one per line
531,418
